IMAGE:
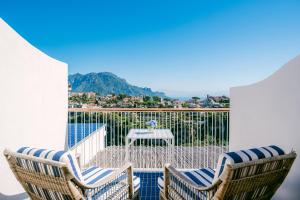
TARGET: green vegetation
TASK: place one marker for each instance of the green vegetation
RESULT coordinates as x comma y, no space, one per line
83,99
121,96
197,128
196,98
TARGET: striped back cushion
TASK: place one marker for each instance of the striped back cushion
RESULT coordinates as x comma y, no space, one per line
66,157
245,156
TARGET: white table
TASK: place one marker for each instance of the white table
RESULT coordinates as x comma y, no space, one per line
150,135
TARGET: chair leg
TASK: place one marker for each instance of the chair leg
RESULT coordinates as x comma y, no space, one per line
162,196
136,195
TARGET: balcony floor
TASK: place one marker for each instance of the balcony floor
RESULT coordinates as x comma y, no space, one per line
155,157
148,162
149,189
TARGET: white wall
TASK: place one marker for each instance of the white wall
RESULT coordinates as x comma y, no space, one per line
268,112
33,101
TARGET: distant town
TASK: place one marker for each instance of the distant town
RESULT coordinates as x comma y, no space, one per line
93,100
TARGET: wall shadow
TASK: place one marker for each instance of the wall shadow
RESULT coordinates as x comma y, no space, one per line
14,197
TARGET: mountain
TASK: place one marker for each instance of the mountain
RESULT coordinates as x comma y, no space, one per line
105,83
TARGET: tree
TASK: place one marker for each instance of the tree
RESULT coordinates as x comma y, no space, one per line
147,98
196,98
156,98
185,105
84,98
121,96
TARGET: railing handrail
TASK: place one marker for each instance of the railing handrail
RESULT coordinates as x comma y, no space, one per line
148,109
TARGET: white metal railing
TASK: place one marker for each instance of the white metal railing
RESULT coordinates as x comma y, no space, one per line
200,135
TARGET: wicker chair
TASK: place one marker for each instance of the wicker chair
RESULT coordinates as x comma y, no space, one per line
247,174
47,174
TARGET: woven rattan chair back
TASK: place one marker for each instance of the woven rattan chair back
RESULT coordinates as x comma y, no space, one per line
258,179
255,179
43,179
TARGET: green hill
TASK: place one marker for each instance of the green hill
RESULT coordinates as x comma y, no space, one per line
105,83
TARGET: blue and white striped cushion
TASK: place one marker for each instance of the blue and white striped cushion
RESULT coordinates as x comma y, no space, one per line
66,157
201,177
245,156
94,174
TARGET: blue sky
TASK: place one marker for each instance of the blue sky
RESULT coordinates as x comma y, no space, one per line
184,48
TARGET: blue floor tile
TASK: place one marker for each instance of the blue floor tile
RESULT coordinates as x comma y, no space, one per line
149,189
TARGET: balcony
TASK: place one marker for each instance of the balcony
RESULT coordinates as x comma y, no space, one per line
98,135
263,113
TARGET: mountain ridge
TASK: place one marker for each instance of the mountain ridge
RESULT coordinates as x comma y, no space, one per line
105,83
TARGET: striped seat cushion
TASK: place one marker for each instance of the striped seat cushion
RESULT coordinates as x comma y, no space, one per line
94,174
66,157
245,156
202,177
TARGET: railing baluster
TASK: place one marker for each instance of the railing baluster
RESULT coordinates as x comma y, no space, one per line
200,136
